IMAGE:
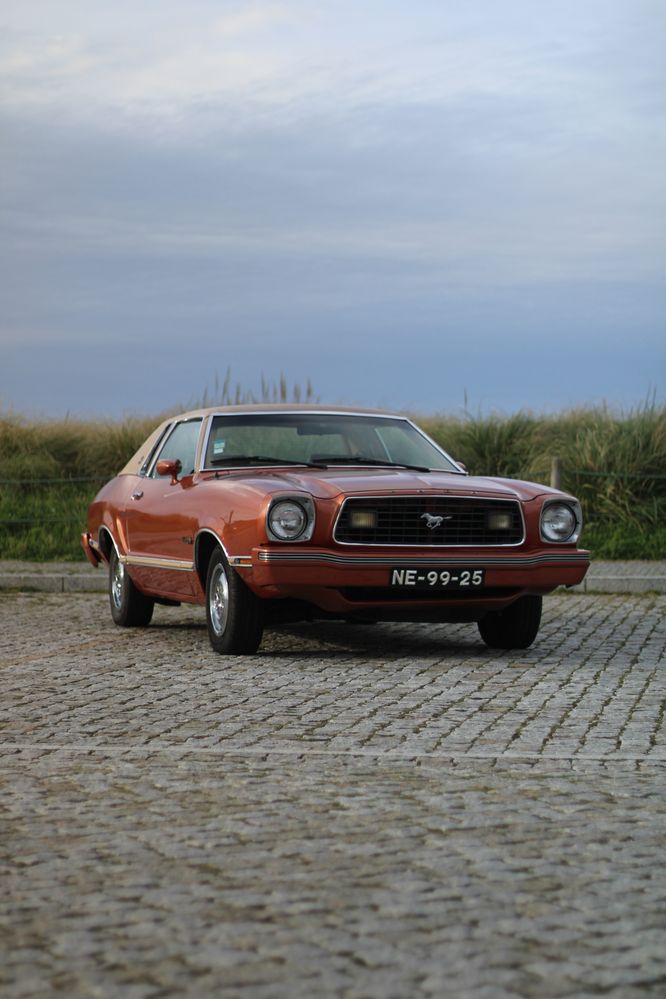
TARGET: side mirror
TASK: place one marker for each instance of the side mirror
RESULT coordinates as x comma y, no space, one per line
461,465
170,466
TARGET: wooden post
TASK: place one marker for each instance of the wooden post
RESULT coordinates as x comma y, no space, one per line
556,473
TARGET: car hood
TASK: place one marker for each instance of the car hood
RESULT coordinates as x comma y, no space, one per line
333,482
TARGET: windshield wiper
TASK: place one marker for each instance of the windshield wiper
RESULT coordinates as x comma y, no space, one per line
318,461
341,459
261,459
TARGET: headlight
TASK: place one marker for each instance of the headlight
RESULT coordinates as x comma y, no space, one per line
560,522
291,520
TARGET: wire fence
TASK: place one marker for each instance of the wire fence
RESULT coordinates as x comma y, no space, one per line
617,475
61,507
71,480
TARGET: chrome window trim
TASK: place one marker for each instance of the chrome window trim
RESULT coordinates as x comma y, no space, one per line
456,470
206,424
421,496
143,471
206,442
155,456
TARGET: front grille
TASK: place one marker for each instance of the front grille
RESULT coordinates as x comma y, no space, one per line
404,520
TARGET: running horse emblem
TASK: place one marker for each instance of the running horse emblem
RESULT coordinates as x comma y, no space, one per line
431,521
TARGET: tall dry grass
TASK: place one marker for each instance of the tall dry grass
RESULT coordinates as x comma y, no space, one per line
615,462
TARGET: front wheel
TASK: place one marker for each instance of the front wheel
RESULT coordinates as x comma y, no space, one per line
130,608
233,614
515,627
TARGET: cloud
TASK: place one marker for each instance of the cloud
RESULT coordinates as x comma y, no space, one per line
311,176
458,193
295,57
156,57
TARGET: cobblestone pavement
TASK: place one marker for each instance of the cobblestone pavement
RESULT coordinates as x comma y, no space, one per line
357,811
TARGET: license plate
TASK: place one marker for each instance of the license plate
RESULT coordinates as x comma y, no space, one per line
421,578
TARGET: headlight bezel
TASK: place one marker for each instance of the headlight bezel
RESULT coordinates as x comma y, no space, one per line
306,506
572,506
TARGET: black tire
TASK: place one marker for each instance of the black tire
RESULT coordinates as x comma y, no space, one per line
233,614
130,608
513,628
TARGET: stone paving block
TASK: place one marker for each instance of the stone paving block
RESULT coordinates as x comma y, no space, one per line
381,811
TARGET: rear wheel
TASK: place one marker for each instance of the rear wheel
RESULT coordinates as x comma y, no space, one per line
233,614
130,608
515,627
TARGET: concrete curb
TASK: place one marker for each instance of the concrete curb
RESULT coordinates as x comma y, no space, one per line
53,582
603,577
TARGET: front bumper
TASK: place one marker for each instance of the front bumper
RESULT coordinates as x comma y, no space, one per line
91,549
345,582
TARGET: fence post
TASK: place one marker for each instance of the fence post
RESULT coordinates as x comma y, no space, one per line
556,473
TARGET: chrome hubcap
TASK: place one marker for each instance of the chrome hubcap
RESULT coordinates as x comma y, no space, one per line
117,583
218,600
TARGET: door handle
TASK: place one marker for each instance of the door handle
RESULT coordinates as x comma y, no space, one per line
137,494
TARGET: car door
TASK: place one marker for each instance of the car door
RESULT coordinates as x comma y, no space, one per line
161,525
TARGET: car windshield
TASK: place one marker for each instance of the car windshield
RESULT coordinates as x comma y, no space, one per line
320,438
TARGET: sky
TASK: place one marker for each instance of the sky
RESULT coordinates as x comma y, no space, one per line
435,206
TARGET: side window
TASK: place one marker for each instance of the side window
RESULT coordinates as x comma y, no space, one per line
153,451
181,443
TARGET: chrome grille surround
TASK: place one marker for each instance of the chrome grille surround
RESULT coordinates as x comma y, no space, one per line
401,522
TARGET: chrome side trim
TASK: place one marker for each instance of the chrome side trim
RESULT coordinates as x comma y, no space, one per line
107,530
149,561
507,561
237,561
455,496
155,562
241,561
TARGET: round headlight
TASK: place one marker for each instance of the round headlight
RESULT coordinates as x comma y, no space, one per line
287,520
558,522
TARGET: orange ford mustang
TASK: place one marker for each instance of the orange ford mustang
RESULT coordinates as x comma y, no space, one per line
306,512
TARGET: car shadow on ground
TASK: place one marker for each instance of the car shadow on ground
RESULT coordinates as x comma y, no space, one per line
380,641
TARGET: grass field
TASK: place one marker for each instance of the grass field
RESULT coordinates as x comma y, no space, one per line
614,462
